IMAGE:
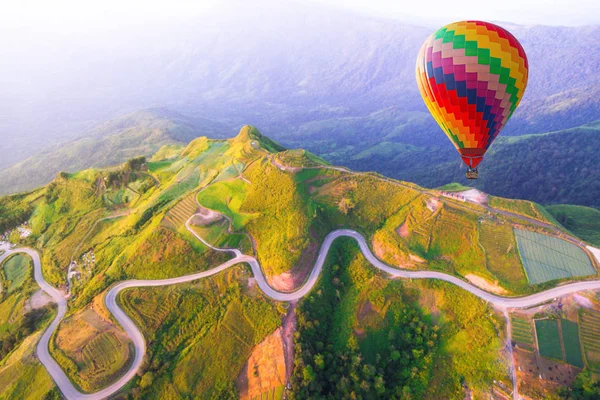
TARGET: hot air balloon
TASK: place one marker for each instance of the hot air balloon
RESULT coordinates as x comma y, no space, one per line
472,76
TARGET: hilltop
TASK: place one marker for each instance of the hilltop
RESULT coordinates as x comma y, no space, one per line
142,219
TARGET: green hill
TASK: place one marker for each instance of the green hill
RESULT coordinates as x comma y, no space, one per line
582,221
129,222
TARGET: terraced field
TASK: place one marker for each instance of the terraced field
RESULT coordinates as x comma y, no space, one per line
501,254
521,333
570,335
547,258
178,215
589,322
548,339
103,355
421,233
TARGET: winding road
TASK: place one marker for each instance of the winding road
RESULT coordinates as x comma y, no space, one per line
71,392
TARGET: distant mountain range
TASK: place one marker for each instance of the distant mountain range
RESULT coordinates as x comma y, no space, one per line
336,83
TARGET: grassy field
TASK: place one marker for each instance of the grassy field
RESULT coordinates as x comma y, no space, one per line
583,222
226,197
548,339
570,335
523,207
547,258
589,325
200,334
501,254
17,269
522,332
22,376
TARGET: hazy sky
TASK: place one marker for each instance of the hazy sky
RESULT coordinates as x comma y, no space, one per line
69,16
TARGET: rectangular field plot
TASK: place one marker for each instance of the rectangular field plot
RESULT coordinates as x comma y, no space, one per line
589,324
570,334
547,258
548,339
521,333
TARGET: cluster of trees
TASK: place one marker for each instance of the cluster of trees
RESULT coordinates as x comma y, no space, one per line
583,388
13,211
389,363
30,323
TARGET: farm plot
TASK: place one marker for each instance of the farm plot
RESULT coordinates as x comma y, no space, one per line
501,255
182,211
590,337
570,334
548,339
16,271
521,333
547,258
104,356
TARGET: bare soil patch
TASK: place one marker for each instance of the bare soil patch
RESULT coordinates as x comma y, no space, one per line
265,369
204,216
484,284
402,230
540,378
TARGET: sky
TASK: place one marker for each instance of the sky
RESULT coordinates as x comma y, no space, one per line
72,16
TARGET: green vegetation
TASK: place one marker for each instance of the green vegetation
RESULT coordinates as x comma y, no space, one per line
548,339
360,334
16,321
522,333
501,254
584,222
589,322
226,197
548,258
585,387
17,269
391,361
523,207
570,335
454,187
200,335
22,376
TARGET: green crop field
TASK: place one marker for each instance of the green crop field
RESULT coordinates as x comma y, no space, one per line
548,338
570,334
590,337
16,270
547,258
521,332
501,254
179,214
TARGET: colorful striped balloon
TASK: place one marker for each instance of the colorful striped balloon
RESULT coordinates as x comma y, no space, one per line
472,76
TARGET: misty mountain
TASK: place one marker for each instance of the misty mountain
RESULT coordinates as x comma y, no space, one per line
110,143
283,70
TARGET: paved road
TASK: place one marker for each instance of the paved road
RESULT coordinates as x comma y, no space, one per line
70,392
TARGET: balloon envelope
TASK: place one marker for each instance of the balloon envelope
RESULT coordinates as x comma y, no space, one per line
472,76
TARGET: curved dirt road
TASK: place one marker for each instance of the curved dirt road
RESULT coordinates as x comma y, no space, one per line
70,392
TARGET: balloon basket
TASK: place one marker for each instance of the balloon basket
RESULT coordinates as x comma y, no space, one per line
472,173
